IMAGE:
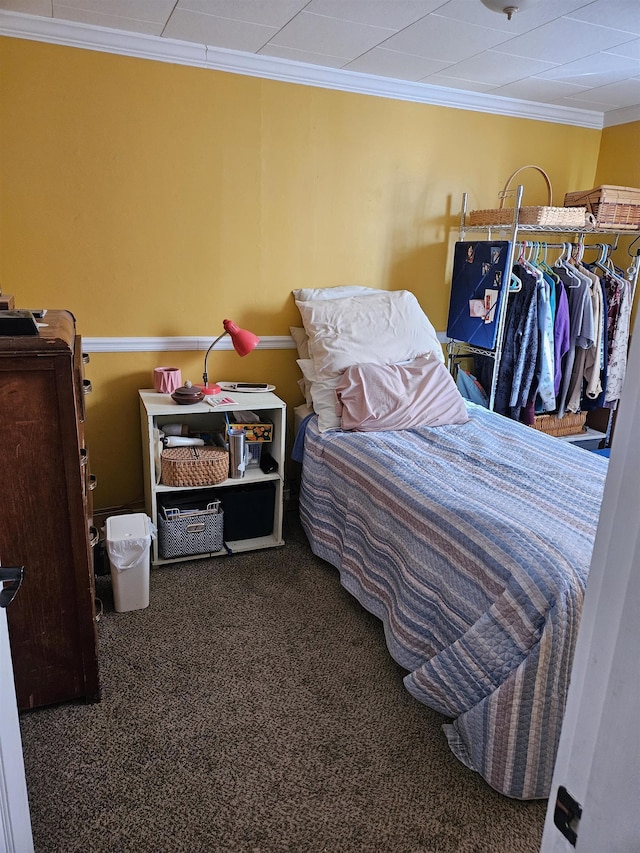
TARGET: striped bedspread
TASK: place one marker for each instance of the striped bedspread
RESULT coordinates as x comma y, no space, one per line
472,544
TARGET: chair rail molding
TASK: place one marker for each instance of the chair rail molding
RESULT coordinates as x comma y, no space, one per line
176,344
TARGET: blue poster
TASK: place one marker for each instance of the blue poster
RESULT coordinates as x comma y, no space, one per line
480,279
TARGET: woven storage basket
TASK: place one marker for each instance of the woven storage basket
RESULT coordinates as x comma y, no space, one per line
545,216
194,466
568,424
612,207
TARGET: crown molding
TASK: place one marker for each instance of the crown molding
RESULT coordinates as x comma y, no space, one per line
71,34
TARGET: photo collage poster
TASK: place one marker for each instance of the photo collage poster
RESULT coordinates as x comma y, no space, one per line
480,278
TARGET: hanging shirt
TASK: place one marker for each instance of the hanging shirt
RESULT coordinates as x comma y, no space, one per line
588,402
546,366
620,310
561,338
519,351
523,336
593,356
578,296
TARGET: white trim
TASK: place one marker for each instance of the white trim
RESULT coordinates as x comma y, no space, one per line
188,344
168,344
71,34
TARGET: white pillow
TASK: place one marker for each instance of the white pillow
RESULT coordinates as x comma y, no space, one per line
383,328
299,335
301,340
323,396
341,292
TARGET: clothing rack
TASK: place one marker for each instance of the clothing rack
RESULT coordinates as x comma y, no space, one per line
518,237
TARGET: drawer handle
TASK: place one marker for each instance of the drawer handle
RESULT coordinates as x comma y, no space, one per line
85,358
86,386
93,482
94,536
83,456
195,528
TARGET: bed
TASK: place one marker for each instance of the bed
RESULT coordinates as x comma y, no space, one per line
471,541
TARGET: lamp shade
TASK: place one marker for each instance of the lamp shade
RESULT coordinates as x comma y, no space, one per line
243,341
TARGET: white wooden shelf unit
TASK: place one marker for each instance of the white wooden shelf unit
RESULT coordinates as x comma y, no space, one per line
158,409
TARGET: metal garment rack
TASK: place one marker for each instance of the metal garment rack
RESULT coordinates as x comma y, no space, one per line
458,351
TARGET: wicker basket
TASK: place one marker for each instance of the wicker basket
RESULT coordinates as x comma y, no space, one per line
612,207
545,216
194,466
568,424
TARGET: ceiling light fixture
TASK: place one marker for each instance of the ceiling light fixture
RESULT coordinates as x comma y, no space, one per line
507,8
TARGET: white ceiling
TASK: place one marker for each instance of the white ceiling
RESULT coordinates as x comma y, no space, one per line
570,53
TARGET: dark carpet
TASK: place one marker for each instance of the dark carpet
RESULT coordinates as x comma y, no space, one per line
253,707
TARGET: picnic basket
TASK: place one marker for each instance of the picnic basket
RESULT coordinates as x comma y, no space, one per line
194,466
546,216
611,206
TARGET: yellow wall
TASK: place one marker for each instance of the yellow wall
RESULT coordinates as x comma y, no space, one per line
619,164
618,161
154,199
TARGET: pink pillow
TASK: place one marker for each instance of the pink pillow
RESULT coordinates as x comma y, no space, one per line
399,396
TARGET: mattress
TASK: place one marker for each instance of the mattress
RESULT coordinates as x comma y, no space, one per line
472,544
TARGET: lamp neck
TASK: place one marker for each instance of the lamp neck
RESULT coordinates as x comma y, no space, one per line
205,375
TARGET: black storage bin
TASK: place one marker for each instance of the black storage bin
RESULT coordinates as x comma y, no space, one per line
248,510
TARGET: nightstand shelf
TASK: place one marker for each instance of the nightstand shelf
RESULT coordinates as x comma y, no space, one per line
159,409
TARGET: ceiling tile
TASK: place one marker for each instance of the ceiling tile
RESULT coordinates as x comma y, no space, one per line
600,69
305,56
275,13
395,15
99,19
473,12
621,14
534,89
218,32
452,83
496,68
564,40
390,63
140,10
28,7
625,93
435,38
329,35
630,49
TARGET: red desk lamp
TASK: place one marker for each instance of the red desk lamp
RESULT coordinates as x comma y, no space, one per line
243,342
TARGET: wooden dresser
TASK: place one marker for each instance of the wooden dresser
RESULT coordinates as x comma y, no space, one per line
46,514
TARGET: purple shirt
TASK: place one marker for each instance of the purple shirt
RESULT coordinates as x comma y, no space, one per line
561,340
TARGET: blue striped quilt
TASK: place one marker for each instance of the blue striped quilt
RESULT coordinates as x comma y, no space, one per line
472,544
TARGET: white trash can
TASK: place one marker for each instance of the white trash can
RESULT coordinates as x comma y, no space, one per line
128,543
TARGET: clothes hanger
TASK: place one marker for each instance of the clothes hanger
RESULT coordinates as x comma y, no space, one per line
543,265
568,263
